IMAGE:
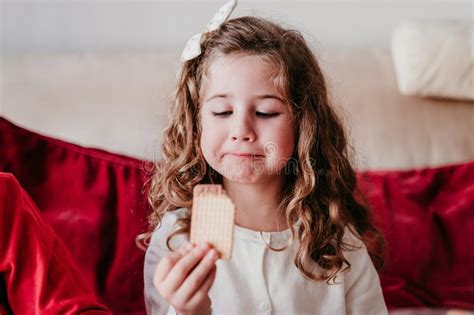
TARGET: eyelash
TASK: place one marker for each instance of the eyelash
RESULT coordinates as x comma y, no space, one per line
263,115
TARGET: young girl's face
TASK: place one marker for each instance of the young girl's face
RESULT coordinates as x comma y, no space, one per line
247,131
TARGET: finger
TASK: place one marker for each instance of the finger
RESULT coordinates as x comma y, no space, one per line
185,248
197,277
203,292
167,262
209,281
181,269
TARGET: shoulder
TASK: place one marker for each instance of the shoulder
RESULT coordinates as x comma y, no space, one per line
362,284
358,257
157,246
156,250
352,238
354,248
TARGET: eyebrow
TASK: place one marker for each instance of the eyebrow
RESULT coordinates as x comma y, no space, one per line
259,97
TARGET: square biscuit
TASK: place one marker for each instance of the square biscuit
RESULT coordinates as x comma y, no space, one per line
212,219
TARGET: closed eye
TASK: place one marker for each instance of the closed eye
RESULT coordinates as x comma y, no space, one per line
221,113
260,114
267,115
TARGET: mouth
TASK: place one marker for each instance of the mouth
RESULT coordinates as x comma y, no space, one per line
245,155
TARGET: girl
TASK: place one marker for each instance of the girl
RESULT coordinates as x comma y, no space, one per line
251,112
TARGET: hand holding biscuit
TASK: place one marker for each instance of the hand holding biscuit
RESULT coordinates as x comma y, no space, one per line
184,277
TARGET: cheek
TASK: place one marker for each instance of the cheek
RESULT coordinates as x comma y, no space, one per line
210,137
285,139
287,145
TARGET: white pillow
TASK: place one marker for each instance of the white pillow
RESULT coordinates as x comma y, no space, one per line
434,58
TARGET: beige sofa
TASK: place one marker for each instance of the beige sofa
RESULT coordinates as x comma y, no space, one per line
119,102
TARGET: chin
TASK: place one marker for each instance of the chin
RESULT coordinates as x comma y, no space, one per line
242,174
239,179
244,178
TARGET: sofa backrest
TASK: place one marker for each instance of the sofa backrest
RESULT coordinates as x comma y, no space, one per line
119,102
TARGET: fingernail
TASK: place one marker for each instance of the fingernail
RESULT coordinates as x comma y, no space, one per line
204,245
212,254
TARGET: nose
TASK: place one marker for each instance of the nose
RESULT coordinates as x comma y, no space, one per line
242,129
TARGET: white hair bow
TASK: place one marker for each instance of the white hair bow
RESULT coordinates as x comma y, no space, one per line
193,46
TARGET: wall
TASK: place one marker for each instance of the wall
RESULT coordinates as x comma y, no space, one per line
46,26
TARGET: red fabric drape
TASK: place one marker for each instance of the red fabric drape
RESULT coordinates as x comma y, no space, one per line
39,276
93,200
427,217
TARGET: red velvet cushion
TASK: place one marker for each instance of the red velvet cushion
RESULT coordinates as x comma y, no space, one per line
37,273
428,220
93,200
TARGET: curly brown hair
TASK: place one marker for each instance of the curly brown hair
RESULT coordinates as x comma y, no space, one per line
321,190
